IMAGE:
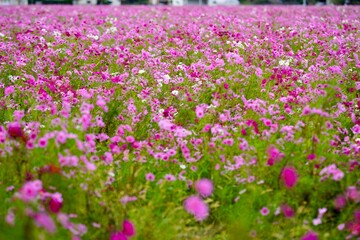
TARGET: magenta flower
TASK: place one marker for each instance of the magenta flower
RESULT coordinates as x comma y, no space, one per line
287,211
311,156
274,155
197,207
310,236
55,203
128,228
340,202
15,130
289,177
118,236
204,187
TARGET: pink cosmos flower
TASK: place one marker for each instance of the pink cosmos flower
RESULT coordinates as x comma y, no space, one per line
340,202
166,125
61,138
207,128
15,130
228,141
274,155
353,194
287,211
341,226
258,72
128,228
42,142
310,236
170,177
199,112
264,211
10,218
118,236
197,207
130,139
311,156
55,203
9,90
204,187
150,177
30,190
45,221
289,177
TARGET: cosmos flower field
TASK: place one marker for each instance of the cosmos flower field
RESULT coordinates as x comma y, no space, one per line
179,123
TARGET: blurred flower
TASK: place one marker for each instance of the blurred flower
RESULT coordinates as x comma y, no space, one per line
197,207
289,177
204,187
45,221
118,236
15,130
340,202
10,218
128,228
310,236
264,211
353,194
287,211
30,190
150,177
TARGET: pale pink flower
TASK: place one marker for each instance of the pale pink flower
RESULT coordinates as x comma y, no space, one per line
170,177
341,226
150,177
45,221
199,112
10,218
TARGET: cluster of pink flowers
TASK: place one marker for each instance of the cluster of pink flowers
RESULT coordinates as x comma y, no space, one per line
195,204
110,112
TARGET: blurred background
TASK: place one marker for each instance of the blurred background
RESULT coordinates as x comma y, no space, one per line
183,2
